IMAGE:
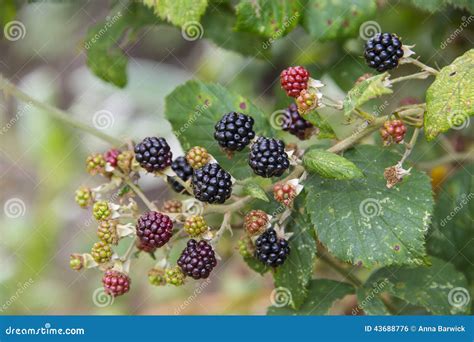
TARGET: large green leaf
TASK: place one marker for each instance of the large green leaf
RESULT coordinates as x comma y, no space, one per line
449,100
364,91
364,222
195,107
330,165
178,12
322,293
439,5
452,233
439,288
368,300
294,275
271,19
332,19
104,55
219,23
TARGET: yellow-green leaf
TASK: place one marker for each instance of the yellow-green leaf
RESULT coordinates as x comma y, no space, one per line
330,165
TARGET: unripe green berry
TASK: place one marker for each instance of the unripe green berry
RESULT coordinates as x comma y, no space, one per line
107,232
101,210
101,252
195,225
95,164
197,157
156,276
174,276
76,262
83,197
125,160
245,247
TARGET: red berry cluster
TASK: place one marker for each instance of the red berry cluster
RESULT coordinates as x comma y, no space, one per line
393,132
294,80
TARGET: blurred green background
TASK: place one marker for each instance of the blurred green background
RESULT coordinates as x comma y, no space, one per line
42,160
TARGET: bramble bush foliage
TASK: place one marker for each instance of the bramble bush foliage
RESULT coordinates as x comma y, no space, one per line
351,205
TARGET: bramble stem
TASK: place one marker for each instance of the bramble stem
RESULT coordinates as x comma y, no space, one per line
11,89
421,65
140,194
364,115
410,145
419,75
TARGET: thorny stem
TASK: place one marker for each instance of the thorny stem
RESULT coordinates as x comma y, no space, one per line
337,106
10,89
140,194
419,75
421,65
224,226
409,146
129,250
364,115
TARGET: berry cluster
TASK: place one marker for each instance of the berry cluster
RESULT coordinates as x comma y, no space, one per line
295,124
195,225
153,154
294,80
234,131
255,222
212,184
284,193
271,249
393,131
198,259
116,283
383,51
154,229
268,158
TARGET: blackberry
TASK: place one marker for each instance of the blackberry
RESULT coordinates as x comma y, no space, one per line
212,184
284,193
154,229
197,260
174,276
145,248
183,170
195,225
153,154
393,131
107,232
270,249
255,222
101,210
172,206
101,252
156,276
116,283
294,80
197,157
295,124
234,131
111,156
383,51
268,158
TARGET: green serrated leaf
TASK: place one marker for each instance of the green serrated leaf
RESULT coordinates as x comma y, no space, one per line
439,288
368,299
104,55
271,19
364,91
219,23
333,19
294,275
330,165
256,265
325,129
450,99
178,12
256,191
194,108
322,294
451,236
364,222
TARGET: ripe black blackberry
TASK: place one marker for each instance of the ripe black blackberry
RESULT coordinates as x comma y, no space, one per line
153,154
270,249
197,260
268,158
234,131
183,170
383,51
294,123
154,229
212,184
